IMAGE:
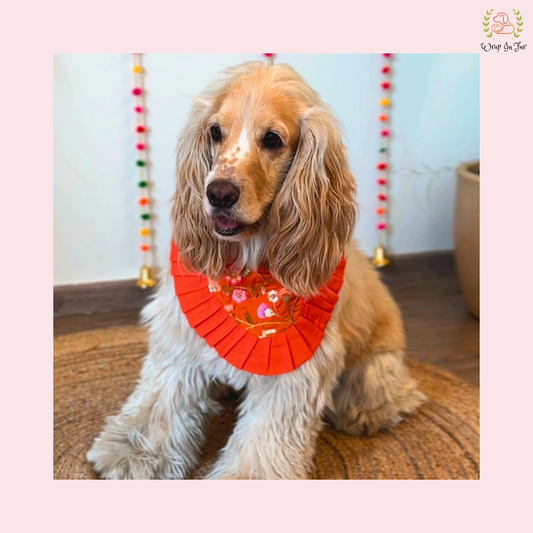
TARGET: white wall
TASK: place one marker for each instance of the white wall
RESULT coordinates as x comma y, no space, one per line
435,125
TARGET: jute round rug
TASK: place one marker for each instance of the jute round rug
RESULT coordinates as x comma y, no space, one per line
95,371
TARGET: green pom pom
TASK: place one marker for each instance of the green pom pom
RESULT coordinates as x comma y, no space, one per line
141,163
142,184
145,216
382,150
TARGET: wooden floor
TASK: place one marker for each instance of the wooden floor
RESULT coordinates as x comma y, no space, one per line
439,329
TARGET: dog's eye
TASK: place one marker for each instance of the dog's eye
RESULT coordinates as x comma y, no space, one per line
272,141
216,134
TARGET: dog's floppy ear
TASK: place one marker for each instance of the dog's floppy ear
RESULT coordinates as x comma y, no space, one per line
313,215
199,249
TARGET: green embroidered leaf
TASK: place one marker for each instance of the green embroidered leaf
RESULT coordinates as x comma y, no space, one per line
248,318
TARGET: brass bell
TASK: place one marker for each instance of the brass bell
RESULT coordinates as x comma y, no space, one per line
380,258
146,279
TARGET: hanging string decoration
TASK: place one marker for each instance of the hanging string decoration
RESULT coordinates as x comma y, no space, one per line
380,257
146,278
269,59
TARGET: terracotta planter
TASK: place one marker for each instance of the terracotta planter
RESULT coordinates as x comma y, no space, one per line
466,234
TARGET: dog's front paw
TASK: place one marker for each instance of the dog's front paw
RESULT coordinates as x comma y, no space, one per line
121,461
129,455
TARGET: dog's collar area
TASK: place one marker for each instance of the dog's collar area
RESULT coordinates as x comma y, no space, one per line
251,320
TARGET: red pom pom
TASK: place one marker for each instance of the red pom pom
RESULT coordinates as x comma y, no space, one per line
138,109
383,118
140,146
381,165
382,181
381,225
139,129
143,200
384,133
386,55
380,210
144,247
268,55
382,197
385,85
137,91
385,69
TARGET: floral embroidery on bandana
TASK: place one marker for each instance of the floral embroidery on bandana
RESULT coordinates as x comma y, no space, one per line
252,321
257,305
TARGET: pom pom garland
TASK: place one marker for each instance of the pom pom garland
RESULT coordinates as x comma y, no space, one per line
269,59
380,259
143,181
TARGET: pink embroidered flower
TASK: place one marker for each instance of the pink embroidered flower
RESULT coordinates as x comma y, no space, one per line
228,308
263,311
234,278
238,295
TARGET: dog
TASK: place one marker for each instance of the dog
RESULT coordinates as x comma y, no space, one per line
262,179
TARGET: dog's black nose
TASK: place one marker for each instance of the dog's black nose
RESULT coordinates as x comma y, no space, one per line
222,193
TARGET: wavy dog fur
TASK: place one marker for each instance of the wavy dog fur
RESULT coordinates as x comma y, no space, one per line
313,214
296,210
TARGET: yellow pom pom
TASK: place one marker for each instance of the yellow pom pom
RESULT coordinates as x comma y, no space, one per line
144,231
384,101
137,69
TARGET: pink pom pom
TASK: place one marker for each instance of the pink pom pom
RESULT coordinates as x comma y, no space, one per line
385,85
138,109
381,165
137,91
381,226
382,181
268,55
382,197
140,146
387,55
384,133
385,69
139,129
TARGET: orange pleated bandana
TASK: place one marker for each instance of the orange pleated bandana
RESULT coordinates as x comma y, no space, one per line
251,320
